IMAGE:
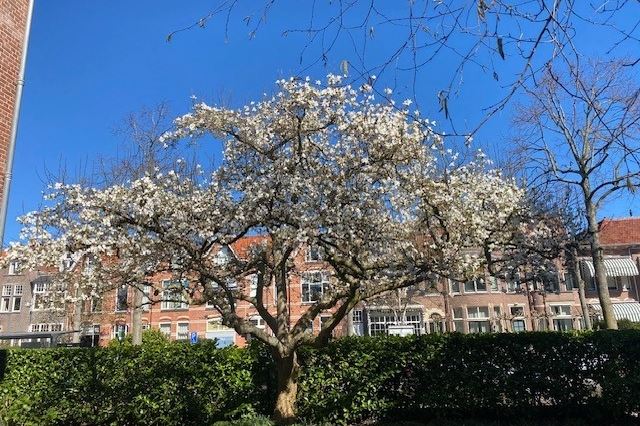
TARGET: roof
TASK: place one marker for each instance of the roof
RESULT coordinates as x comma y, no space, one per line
620,231
242,246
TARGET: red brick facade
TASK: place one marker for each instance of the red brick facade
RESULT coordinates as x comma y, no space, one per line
485,306
13,17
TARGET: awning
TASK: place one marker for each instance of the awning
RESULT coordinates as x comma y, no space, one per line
626,310
616,267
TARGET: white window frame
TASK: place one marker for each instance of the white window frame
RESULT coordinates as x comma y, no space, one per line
14,267
475,285
323,283
179,303
39,290
18,290
314,253
13,304
182,335
7,290
253,285
126,299
474,319
164,325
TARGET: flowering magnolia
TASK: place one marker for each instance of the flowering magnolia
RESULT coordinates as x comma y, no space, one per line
322,165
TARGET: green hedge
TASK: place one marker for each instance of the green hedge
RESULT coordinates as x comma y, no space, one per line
156,384
594,376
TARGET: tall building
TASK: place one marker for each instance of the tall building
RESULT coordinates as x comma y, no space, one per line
14,16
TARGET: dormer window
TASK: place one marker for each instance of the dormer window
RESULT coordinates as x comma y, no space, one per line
314,254
67,263
222,256
14,267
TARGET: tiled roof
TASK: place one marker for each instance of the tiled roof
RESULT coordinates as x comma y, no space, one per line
620,231
242,246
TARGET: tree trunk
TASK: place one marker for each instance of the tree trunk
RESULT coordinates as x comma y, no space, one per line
577,278
600,271
77,321
288,371
136,317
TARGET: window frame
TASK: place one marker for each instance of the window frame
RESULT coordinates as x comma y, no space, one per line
171,304
306,297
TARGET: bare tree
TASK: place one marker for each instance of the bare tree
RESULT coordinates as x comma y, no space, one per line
509,42
580,130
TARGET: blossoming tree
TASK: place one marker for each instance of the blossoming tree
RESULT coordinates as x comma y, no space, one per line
319,164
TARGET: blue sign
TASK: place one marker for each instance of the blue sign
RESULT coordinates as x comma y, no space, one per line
194,337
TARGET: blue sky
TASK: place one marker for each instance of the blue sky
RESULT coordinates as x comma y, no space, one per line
91,63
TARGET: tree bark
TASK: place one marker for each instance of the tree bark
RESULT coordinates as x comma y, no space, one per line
288,372
136,317
77,321
577,278
600,271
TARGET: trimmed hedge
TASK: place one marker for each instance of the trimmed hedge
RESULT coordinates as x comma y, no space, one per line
593,376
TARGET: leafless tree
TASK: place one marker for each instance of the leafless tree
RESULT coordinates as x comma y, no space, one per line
580,129
509,41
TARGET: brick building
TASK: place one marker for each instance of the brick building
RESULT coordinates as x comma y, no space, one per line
13,23
620,239
23,303
484,304
481,305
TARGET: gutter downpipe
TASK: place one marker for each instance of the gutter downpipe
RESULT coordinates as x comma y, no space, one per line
14,125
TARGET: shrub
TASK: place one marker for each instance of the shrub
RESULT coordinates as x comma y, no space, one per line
527,377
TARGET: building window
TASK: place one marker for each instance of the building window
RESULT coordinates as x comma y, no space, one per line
14,267
475,285
380,321
612,283
253,285
146,300
513,282
39,290
146,326
6,304
224,336
257,322
17,290
562,320
314,253
478,317
119,331
455,286
324,321
458,320
96,304
314,284
222,256
165,328
497,319
561,310
45,328
494,284
542,324
436,324
516,311
121,298
173,296
17,302
357,315
568,281
518,325
182,331
6,290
